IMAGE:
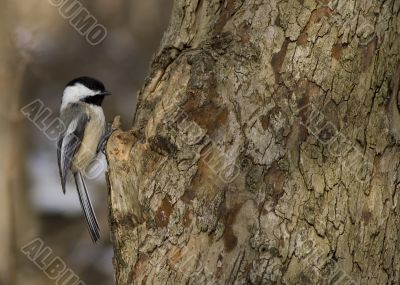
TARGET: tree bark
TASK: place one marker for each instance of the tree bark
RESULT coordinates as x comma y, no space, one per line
264,149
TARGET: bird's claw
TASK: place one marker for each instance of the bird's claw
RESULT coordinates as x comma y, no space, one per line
108,132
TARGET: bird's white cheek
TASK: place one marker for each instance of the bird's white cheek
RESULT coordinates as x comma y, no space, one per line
73,94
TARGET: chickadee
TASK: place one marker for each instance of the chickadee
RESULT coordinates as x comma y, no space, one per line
78,145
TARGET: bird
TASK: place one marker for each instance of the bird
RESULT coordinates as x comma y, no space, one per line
82,116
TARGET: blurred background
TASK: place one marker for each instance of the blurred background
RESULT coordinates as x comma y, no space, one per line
40,51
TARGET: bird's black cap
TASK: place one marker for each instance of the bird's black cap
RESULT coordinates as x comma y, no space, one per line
89,82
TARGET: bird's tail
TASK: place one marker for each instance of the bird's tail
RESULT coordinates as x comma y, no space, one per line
87,207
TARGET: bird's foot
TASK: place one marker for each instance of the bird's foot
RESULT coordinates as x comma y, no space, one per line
107,134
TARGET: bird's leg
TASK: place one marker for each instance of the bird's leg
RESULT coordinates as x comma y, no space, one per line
103,141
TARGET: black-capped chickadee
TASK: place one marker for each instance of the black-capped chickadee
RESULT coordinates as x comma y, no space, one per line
78,145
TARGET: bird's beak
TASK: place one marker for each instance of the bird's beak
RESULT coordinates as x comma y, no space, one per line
106,93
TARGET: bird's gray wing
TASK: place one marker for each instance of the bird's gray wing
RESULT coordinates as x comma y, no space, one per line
69,143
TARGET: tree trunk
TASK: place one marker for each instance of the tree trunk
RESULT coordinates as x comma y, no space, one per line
264,149
17,223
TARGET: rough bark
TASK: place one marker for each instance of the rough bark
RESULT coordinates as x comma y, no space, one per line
265,148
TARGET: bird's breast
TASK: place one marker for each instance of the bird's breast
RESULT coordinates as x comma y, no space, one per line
92,135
